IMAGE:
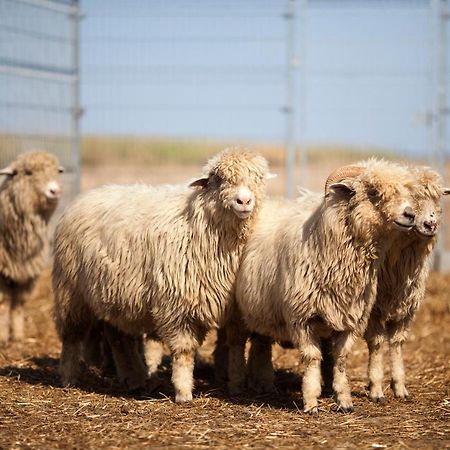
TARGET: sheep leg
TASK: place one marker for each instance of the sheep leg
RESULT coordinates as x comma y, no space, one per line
72,326
17,323
342,343
183,348
397,333
236,338
260,369
107,366
20,296
5,317
72,335
376,372
221,356
153,355
309,346
130,366
92,352
70,368
327,366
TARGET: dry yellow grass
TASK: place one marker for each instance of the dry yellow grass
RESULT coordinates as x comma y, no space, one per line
36,413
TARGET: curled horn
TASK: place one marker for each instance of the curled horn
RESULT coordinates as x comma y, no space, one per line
341,173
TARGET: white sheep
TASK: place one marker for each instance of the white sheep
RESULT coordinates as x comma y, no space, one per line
155,260
401,285
308,273
400,291
28,197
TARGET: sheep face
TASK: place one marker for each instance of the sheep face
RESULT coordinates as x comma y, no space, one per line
379,198
391,207
427,195
34,178
237,181
428,218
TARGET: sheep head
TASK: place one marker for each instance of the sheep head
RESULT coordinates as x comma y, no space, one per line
427,194
237,181
376,194
34,180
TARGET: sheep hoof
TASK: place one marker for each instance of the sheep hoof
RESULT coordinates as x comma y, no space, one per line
378,399
400,391
312,411
345,407
376,394
183,397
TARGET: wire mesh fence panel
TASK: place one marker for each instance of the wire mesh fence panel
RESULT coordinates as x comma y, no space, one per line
313,84
167,84
39,83
310,83
371,85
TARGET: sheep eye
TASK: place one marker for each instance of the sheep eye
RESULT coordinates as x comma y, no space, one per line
373,193
28,172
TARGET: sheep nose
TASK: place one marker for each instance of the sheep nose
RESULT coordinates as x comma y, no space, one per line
430,225
409,214
244,200
53,190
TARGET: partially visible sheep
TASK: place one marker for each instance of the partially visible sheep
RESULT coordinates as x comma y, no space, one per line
28,197
160,261
401,288
401,285
308,273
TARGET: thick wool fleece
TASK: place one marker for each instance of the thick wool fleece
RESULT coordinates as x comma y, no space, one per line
311,270
401,286
156,260
24,214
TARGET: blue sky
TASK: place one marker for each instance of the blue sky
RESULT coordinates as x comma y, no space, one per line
217,69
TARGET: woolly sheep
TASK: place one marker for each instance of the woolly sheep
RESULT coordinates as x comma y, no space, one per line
156,260
400,291
28,197
401,286
307,274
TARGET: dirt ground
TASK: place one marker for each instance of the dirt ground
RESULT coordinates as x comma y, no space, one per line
35,412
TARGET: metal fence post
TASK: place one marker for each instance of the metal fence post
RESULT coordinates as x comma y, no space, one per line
440,17
77,112
290,142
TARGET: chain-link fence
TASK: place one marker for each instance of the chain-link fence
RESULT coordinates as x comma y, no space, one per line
39,82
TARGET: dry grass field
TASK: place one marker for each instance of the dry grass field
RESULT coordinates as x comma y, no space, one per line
36,413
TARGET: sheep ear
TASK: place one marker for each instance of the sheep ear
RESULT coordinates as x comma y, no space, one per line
344,187
61,169
8,171
446,191
271,176
200,183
